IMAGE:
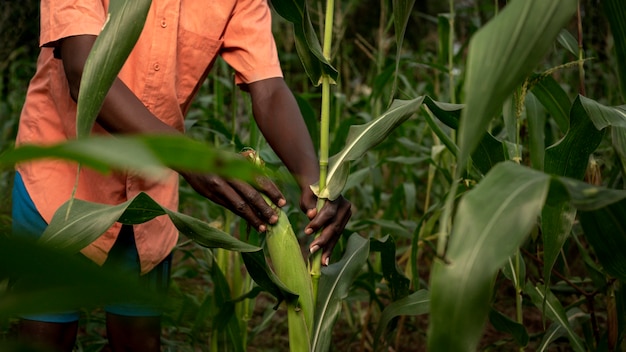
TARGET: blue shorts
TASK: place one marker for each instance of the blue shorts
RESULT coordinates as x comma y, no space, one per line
28,223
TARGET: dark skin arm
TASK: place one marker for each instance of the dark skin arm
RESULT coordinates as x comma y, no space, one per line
274,105
123,113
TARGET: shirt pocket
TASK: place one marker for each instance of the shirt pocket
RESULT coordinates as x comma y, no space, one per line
196,54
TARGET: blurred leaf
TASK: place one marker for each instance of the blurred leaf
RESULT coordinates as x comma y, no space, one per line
225,320
505,324
147,155
556,330
492,221
536,118
307,43
557,220
567,41
122,28
509,116
398,283
443,29
310,119
553,98
615,11
416,303
334,285
54,280
555,312
361,138
501,54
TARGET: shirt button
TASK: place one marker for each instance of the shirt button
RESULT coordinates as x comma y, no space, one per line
156,67
163,24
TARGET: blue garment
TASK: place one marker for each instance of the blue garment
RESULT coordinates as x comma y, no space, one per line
28,223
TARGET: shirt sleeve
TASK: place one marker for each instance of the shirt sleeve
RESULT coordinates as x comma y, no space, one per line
249,46
65,18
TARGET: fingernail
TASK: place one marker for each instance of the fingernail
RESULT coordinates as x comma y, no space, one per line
308,231
262,228
281,202
326,261
273,219
314,249
311,213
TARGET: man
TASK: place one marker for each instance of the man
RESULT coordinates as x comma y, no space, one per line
152,93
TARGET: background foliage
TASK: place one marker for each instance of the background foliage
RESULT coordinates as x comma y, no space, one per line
398,189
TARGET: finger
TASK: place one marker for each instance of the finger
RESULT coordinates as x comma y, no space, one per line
330,234
308,203
225,195
271,191
255,201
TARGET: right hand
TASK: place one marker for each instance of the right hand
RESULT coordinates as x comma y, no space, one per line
240,197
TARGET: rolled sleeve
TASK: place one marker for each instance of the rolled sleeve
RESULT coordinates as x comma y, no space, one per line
66,18
249,46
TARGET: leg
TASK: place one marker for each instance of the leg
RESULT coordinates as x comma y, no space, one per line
58,336
134,334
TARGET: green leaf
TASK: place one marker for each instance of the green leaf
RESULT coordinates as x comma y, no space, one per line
58,281
147,155
519,36
615,11
603,116
606,232
124,24
570,156
361,138
398,283
555,312
334,285
264,277
401,14
307,43
553,98
225,320
536,118
505,324
567,41
86,221
416,303
492,221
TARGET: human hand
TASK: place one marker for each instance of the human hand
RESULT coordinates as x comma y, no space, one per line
240,197
332,219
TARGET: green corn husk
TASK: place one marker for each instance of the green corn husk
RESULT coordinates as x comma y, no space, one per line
286,257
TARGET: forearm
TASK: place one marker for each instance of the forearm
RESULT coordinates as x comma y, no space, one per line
279,119
122,112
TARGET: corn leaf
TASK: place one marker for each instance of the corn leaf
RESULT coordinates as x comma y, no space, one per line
492,220
615,11
535,114
555,312
147,155
361,138
569,157
307,43
567,41
334,285
398,282
225,320
401,14
606,232
505,324
59,281
87,221
118,37
553,98
417,303
501,54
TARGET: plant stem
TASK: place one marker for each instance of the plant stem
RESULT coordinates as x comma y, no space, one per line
518,293
316,265
451,54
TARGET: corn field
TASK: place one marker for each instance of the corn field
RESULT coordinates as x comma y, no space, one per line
481,143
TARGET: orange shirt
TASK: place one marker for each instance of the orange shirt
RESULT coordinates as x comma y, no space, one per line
175,51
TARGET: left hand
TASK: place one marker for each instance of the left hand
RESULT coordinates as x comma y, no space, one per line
332,219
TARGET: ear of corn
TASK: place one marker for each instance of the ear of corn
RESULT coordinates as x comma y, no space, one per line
289,265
